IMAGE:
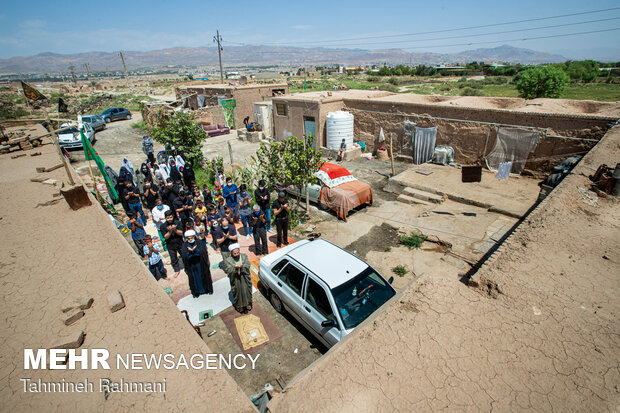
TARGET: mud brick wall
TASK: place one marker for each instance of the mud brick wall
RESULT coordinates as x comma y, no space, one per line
468,139
211,115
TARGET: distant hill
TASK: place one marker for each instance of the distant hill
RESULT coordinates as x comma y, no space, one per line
261,55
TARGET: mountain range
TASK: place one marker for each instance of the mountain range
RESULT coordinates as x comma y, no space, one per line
262,55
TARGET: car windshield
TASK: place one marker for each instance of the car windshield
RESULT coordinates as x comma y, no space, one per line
86,119
361,296
70,130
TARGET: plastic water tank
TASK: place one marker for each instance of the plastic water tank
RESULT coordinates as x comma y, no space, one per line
339,126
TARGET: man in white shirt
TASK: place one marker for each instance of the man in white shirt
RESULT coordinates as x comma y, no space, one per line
159,217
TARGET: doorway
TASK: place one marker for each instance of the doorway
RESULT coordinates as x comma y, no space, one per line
309,128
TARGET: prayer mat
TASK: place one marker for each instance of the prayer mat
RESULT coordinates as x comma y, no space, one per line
251,331
273,333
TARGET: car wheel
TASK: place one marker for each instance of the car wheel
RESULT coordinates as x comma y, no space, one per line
128,117
276,302
107,120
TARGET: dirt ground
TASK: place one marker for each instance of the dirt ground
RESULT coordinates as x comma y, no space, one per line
282,358
536,330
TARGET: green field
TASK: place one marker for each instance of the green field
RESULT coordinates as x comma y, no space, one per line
491,86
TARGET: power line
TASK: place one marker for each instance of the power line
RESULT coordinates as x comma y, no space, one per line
513,40
484,34
444,30
477,43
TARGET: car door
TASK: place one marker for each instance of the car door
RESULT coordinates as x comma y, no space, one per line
291,282
318,307
115,114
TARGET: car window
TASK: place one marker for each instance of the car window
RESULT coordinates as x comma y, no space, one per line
361,296
276,269
317,298
115,110
86,119
105,112
293,277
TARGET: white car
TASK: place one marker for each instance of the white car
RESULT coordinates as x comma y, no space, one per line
70,138
327,289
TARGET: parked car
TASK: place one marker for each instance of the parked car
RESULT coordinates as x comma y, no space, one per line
338,190
70,138
327,289
95,121
111,114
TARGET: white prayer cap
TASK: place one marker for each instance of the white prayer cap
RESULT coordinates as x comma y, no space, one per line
234,246
190,233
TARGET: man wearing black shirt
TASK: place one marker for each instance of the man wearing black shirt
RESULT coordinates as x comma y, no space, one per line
261,195
280,209
184,207
150,194
225,235
173,234
169,193
132,196
258,222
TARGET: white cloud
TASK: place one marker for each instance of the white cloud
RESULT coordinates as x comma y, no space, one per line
32,24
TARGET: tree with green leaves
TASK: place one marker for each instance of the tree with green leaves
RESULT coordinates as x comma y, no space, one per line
289,162
542,82
183,132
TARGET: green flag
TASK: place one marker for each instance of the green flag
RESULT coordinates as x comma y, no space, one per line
91,153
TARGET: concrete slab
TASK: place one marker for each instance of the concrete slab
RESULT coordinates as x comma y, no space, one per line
423,195
407,199
220,300
512,197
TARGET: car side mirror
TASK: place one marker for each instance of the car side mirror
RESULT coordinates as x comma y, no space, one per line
391,280
328,323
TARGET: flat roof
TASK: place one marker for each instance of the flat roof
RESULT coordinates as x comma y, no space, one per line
540,105
324,95
224,86
52,256
328,262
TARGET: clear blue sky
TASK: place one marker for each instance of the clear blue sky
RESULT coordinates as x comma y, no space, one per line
70,27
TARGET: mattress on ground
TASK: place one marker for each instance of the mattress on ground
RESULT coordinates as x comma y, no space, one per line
345,197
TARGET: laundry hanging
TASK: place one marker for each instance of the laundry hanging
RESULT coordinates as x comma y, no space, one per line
512,145
424,144
201,101
503,171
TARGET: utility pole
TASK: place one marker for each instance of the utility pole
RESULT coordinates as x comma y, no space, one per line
72,68
87,71
125,66
218,39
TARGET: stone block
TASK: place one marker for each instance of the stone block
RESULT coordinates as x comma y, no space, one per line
82,303
116,301
72,316
76,196
71,340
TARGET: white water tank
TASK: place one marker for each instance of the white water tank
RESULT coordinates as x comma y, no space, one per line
339,126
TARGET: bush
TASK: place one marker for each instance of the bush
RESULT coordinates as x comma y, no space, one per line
400,270
413,240
139,125
393,81
542,82
374,79
468,91
389,88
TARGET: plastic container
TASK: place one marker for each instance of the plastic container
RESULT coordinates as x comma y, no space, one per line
339,126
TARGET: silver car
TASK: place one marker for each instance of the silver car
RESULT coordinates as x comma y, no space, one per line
327,289
70,137
95,121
